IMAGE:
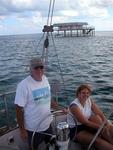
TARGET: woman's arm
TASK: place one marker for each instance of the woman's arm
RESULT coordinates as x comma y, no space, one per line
75,110
97,111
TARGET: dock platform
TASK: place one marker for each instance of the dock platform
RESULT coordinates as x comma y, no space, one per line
74,29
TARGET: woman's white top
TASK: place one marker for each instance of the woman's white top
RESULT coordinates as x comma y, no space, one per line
86,110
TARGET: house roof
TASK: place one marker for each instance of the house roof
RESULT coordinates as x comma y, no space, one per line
70,24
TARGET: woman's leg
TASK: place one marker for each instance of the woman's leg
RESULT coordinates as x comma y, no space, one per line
85,137
107,132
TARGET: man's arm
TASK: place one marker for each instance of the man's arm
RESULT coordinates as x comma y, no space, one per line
55,106
20,120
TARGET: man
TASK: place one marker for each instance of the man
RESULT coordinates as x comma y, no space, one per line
33,103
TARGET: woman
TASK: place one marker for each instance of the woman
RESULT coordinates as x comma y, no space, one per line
88,117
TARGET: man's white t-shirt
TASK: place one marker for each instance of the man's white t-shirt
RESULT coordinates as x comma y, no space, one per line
35,98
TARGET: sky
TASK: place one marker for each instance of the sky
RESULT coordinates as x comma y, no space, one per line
29,16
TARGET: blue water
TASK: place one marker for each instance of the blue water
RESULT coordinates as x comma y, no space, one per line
82,60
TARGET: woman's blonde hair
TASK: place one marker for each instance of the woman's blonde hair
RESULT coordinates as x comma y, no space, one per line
82,87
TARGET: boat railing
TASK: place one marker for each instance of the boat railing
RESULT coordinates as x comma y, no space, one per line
6,111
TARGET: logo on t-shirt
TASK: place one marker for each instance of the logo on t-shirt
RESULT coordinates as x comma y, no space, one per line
42,95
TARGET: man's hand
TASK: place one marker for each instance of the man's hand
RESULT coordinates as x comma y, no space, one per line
23,134
65,111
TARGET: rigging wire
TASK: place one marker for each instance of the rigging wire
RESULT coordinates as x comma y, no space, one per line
40,40
49,12
52,11
47,33
51,6
48,28
62,77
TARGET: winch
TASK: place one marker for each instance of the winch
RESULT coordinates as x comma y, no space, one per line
62,135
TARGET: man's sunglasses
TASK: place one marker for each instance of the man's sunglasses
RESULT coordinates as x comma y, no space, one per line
39,67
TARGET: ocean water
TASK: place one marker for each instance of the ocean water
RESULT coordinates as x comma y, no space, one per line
82,60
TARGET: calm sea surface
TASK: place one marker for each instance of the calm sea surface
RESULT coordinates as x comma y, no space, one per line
82,60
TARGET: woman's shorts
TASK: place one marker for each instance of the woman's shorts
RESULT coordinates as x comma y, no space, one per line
79,128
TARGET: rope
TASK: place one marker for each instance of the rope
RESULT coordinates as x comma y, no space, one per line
100,129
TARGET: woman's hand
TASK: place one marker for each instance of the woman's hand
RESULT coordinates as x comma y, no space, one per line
106,133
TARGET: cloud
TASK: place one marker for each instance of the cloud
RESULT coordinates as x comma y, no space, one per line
64,7
14,6
104,24
100,13
101,3
69,13
33,13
